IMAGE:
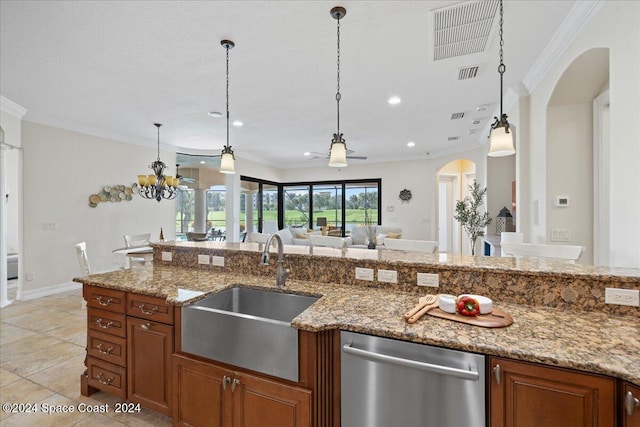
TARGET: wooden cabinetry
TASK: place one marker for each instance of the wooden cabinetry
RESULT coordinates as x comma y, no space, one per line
528,395
130,339
630,405
206,394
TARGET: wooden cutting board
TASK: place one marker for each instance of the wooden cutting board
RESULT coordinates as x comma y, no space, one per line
496,319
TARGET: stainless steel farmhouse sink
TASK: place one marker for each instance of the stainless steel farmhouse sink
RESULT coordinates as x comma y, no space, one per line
249,328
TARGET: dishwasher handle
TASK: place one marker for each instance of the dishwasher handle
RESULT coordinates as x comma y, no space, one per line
439,369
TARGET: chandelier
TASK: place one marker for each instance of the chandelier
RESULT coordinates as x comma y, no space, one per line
338,150
157,185
500,138
227,159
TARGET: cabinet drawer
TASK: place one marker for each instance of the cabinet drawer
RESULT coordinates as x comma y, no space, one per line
107,377
107,322
107,347
148,307
105,299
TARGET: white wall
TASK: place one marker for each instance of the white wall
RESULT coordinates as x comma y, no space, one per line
501,172
616,27
417,217
61,170
570,174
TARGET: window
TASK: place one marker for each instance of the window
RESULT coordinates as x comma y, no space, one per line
343,204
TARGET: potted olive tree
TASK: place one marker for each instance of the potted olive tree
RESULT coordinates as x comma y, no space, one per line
469,216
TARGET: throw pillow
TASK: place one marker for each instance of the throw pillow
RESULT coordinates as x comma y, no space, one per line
380,239
301,235
393,235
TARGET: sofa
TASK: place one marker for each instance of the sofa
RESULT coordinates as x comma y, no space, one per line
359,238
303,237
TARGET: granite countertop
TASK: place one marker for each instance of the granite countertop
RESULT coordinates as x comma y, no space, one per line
591,342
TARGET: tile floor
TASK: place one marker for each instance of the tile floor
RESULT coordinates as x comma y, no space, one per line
42,350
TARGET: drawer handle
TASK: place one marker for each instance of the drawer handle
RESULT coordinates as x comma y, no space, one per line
101,381
104,303
146,326
630,403
234,384
107,326
148,313
225,380
108,351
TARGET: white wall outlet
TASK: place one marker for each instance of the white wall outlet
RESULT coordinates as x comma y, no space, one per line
622,296
428,279
49,226
167,256
389,276
217,260
364,274
203,259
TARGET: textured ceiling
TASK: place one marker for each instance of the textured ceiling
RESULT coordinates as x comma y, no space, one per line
113,68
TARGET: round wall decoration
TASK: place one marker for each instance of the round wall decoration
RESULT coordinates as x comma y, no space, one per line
405,195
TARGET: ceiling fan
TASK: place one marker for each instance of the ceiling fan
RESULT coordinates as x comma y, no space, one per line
316,156
182,177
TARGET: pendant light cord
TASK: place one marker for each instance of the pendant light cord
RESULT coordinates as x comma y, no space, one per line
338,96
227,49
501,67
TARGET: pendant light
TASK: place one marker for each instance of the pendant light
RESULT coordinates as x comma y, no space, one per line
338,151
501,138
156,185
227,159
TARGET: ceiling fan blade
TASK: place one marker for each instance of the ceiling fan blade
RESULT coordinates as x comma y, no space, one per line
357,157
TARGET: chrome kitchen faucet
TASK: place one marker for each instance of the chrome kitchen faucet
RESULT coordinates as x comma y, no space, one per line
283,271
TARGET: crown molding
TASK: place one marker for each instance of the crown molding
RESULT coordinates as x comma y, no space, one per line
578,18
12,108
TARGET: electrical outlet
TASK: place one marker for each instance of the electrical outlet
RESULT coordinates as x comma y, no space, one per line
364,274
428,279
389,276
49,226
203,259
217,260
622,296
167,256
558,235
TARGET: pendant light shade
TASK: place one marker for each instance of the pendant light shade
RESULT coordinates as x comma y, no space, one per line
227,159
338,150
501,141
501,137
227,162
338,157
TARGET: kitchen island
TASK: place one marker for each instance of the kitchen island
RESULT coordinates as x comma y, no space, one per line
570,327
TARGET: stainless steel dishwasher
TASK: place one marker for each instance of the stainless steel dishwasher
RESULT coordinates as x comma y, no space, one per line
388,383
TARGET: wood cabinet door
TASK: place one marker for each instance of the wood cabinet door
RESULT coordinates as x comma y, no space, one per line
199,394
530,395
630,410
149,349
259,402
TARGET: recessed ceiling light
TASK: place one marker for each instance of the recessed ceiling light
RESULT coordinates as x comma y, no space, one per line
394,100
238,123
411,144
202,162
306,153
472,131
482,107
475,122
215,113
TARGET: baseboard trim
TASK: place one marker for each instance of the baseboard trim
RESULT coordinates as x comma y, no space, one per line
50,290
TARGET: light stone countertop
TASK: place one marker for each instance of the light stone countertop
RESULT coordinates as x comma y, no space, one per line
590,341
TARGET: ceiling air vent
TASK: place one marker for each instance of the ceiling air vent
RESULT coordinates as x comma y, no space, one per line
452,138
456,116
462,29
468,73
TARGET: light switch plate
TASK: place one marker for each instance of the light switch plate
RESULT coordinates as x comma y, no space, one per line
622,296
167,256
217,260
428,279
389,276
203,259
364,274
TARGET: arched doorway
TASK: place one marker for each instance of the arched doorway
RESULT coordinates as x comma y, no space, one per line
453,181
577,156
